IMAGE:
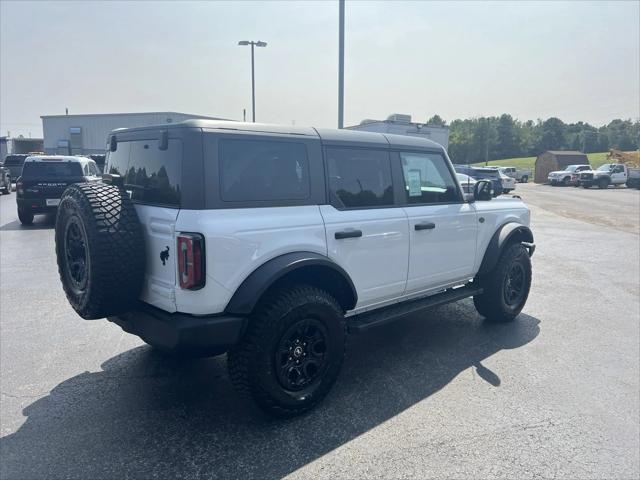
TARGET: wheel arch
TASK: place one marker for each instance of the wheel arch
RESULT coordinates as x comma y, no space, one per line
296,267
508,233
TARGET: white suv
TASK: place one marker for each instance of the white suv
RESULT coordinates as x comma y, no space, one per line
272,243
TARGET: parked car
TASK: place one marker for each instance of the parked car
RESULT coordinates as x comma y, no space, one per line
521,175
44,179
5,179
466,182
483,173
568,176
272,243
14,163
605,175
508,183
633,177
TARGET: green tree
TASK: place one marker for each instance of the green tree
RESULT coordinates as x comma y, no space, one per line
436,120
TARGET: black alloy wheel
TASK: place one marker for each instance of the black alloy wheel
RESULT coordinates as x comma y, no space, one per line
514,285
300,357
76,254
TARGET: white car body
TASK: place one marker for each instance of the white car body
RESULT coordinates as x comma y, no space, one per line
610,173
508,183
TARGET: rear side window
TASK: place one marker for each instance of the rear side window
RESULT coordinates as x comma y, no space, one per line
51,170
14,160
359,178
427,178
150,174
254,170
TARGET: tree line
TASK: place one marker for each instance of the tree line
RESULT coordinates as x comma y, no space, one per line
493,138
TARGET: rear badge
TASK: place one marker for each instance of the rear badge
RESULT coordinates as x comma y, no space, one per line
164,255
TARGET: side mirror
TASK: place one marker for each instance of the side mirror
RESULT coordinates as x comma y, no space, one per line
483,190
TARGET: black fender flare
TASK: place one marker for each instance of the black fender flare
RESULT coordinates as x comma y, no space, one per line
502,237
258,282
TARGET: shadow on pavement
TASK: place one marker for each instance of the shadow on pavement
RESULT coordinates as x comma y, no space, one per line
146,416
40,222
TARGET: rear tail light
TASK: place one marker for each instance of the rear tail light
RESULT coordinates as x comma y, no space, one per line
191,261
19,188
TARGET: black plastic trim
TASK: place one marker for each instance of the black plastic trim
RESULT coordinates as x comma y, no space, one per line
249,292
501,238
180,332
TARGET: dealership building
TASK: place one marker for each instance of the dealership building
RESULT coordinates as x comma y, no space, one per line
400,124
87,134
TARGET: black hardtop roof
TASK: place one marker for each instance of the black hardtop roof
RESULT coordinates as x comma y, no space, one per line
327,135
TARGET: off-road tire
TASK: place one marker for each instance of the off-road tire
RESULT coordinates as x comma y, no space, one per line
491,303
25,216
252,363
114,259
603,183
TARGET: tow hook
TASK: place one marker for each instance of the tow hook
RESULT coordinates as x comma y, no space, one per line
531,247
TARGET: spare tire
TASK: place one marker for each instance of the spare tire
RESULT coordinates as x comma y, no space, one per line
100,249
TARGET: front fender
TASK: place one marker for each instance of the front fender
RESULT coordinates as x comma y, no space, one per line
506,234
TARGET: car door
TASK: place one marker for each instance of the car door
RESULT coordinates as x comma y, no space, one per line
366,233
442,228
618,174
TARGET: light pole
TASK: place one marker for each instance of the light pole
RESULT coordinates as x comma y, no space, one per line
253,78
340,63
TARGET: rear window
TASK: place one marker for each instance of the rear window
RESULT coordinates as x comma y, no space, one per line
14,160
255,170
151,175
51,169
478,174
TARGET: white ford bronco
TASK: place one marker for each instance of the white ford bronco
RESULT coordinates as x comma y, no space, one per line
272,243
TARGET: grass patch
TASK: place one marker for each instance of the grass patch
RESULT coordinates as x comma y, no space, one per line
595,160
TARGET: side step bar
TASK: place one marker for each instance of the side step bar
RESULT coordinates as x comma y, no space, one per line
382,316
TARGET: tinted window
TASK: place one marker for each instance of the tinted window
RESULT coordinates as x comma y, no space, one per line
359,177
14,160
153,175
51,169
427,178
253,170
118,161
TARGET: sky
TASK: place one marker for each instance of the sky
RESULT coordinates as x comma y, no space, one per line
573,60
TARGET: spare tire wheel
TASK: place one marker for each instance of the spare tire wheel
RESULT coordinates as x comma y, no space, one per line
99,249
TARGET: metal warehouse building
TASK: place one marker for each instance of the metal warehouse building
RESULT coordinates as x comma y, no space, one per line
87,134
402,125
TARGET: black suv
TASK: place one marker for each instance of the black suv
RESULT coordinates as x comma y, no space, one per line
45,177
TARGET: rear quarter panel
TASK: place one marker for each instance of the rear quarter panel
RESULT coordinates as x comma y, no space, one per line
237,241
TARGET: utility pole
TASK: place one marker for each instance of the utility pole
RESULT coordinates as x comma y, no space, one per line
341,64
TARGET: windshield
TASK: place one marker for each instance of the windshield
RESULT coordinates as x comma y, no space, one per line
571,168
51,170
605,168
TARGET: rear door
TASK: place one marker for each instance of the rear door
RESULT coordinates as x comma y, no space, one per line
442,228
152,179
367,234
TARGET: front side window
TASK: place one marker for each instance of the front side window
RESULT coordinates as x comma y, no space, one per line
259,170
359,178
427,178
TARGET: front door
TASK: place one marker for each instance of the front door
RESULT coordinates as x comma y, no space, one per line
366,234
442,228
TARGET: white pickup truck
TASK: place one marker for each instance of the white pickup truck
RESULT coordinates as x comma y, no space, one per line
605,175
520,175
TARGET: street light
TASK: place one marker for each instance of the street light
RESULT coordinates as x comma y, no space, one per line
244,43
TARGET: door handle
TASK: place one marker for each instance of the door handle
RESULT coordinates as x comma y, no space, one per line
348,234
425,226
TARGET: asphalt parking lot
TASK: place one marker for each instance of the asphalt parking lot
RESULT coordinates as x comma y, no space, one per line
441,394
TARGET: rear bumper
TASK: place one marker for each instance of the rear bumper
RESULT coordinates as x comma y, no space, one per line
182,333
35,205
